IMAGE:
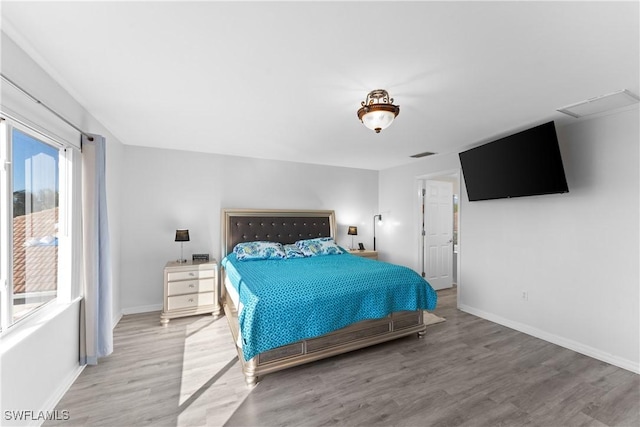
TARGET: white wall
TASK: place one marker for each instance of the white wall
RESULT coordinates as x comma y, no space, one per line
170,189
398,239
39,358
38,367
115,186
576,254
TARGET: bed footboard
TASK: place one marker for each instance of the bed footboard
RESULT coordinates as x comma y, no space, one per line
353,337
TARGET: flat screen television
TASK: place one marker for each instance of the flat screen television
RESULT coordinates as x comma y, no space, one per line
527,163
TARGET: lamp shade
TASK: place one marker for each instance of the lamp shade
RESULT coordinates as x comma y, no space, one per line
353,231
182,235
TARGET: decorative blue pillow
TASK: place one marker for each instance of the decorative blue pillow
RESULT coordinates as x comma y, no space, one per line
292,251
258,250
319,246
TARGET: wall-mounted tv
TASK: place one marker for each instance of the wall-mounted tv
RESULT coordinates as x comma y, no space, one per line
527,163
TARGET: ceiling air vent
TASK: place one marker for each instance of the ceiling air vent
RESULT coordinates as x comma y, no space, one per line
600,104
425,154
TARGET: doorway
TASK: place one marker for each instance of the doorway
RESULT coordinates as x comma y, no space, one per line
439,213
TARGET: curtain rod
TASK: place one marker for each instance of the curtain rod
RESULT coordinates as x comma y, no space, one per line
37,101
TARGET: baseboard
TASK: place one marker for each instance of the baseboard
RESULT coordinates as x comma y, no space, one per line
116,320
59,393
555,339
142,309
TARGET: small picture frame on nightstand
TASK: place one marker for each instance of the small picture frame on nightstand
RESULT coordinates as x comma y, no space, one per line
200,257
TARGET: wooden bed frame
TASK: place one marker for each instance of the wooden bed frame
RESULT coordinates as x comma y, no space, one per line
288,226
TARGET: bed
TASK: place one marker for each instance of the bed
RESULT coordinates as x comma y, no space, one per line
285,312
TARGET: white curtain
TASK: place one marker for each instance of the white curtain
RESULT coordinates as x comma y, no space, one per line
96,335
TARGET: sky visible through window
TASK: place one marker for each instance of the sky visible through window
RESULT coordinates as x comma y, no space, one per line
25,147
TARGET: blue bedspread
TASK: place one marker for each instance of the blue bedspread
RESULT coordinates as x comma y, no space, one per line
288,300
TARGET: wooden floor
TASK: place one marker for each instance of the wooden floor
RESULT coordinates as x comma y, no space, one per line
466,371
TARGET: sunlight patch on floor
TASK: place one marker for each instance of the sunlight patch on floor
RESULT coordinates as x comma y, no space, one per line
212,386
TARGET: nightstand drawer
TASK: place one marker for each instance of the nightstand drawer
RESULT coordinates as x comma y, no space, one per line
190,286
190,300
186,275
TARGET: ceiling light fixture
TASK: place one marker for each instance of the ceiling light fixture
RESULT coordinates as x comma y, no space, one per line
377,111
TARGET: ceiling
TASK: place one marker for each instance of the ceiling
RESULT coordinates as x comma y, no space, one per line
283,80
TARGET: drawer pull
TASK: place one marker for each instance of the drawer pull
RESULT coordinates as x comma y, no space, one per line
190,299
192,285
192,274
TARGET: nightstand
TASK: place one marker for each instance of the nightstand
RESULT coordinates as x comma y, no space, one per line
190,288
365,254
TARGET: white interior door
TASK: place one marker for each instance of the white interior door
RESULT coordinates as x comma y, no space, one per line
438,233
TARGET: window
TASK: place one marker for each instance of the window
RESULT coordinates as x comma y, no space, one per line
30,220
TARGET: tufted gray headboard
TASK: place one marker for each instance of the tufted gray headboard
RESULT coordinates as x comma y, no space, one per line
275,225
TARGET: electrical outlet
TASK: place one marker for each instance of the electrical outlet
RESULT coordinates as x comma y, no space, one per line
525,296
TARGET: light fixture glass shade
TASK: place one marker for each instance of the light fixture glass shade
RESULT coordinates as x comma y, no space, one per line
378,120
377,111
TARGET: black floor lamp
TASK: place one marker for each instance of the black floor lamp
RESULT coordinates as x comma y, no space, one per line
379,216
